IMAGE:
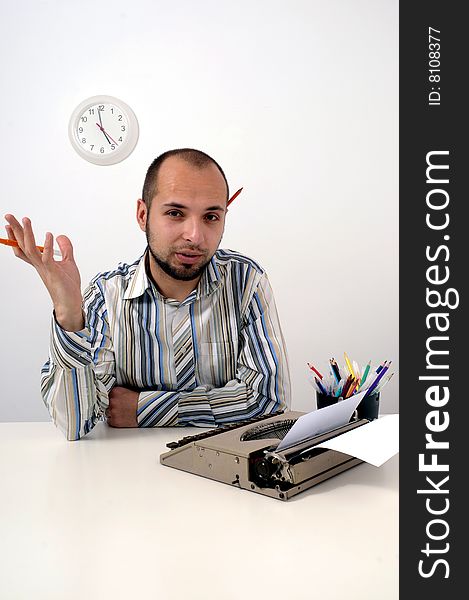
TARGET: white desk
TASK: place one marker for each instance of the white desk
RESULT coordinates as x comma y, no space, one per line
102,519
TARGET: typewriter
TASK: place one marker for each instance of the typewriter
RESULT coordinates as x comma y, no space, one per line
244,455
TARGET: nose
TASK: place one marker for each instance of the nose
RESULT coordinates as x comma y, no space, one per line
193,231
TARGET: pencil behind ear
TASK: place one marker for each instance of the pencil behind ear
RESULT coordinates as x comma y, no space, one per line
234,196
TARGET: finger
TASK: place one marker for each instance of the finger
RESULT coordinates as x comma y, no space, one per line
65,246
48,252
109,418
30,248
17,229
16,249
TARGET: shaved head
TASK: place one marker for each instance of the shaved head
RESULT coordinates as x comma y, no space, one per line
195,158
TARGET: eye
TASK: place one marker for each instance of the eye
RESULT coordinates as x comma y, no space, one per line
212,217
174,213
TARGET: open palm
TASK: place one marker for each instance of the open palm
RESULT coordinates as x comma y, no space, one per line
61,277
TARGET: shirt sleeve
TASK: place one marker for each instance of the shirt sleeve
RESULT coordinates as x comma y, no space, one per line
80,372
262,383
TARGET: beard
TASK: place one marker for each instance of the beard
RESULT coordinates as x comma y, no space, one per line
182,272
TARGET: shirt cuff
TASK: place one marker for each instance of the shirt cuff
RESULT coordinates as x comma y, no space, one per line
70,349
157,408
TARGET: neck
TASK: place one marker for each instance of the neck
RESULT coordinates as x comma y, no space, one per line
167,285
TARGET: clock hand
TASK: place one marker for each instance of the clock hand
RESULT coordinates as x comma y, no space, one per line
99,115
106,134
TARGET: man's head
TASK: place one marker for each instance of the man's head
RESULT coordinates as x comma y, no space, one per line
183,211
195,158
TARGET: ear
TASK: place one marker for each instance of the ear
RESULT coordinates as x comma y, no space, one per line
142,214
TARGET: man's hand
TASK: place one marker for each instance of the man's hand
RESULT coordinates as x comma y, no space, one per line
61,277
122,411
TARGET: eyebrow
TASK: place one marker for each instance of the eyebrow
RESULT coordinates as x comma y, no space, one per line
177,205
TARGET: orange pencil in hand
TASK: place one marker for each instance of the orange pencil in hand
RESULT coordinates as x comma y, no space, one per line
15,243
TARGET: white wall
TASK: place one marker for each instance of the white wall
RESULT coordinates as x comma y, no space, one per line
298,101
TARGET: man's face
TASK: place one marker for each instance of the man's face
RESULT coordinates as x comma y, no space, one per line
185,223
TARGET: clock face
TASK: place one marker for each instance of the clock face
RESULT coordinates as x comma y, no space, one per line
103,130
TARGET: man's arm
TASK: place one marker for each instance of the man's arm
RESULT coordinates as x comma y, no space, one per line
262,383
80,372
73,391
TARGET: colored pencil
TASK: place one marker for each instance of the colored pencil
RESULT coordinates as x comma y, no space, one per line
15,244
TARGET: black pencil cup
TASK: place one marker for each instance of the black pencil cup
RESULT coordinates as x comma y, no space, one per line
367,409
322,400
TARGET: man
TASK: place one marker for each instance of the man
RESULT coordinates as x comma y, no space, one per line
186,335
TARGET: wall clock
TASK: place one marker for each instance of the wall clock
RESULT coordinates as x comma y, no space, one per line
103,130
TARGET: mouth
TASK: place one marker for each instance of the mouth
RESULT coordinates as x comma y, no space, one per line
188,257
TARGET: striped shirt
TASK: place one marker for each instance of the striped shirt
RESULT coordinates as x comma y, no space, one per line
235,363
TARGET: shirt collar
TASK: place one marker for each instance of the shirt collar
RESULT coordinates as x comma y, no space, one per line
139,281
211,278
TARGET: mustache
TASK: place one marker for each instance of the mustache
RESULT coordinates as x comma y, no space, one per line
191,248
